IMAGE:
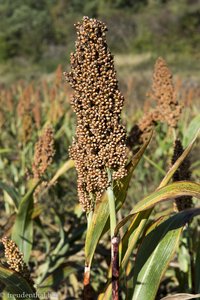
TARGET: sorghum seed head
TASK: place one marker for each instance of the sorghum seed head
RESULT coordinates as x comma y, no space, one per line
167,108
100,141
15,259
44,153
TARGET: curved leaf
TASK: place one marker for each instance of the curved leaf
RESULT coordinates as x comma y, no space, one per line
171,191
11,192
155,253
178,162
22,231
16,284
62,170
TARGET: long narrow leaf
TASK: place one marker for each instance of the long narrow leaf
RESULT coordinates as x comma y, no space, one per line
11,192
16,284
178,162
168,192
155,254
22,231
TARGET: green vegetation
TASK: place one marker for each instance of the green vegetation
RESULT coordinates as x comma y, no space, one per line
38,33
142,225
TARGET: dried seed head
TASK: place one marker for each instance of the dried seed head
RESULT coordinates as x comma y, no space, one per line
15,259
100,140
44,153
182,173
167,109
164,93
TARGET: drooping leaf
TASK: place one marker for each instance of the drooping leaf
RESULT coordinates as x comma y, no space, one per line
178,162
11,192
171,191
22,231
155,253
16,284
62,170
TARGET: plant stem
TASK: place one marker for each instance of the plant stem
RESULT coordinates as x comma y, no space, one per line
89,218
86,280
154,164
111,200
114,239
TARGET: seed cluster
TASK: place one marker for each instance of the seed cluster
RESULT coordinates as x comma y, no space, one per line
44,153
167,108
14,258
182,173
164,93
100,137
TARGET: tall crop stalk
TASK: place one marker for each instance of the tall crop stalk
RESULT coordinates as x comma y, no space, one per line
99,148
114,239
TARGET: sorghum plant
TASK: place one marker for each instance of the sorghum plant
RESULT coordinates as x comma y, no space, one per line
99,148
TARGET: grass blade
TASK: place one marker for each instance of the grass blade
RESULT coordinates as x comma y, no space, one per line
22,231
168,192
156,252
16,284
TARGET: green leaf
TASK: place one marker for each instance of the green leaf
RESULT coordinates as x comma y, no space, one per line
7,296
155,253
62,170
5,150
193,127
178,162
22,231
11,192
171,191
101,213
16,284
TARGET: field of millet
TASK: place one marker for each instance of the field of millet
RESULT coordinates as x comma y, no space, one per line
99,178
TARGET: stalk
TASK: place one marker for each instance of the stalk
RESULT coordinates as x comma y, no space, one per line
114,239
191,275
86,279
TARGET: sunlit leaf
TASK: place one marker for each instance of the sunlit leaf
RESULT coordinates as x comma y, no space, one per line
168,192
22,231
155,253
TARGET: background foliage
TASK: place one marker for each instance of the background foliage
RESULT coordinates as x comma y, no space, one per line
36,36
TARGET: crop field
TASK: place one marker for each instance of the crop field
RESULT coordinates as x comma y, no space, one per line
99,176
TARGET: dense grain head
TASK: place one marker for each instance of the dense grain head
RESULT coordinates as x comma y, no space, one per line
44,153
15,259
164,94
100,137
182,173
167,109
